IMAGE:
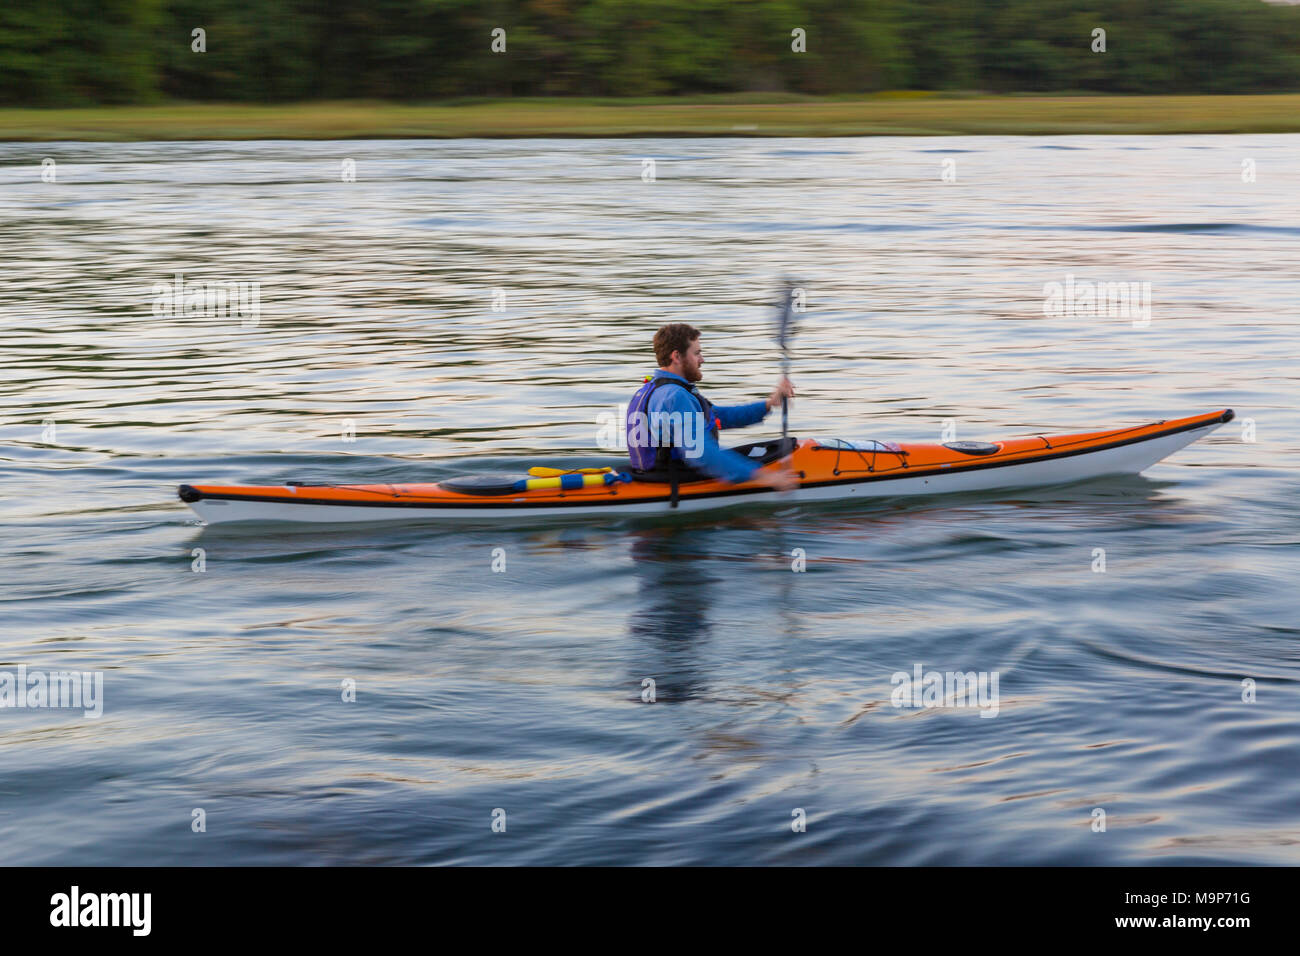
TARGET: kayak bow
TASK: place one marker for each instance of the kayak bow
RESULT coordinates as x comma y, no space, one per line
828,470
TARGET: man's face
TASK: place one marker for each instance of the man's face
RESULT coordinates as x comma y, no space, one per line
691,362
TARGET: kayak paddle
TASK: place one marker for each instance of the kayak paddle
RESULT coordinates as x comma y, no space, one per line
785,324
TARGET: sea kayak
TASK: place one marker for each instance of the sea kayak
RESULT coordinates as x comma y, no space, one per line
828,470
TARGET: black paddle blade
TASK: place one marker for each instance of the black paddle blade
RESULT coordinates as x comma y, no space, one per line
491,484
787,316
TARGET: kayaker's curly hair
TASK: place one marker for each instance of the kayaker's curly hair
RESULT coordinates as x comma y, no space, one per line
676,337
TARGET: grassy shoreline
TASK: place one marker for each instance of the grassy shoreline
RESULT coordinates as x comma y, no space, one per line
888,114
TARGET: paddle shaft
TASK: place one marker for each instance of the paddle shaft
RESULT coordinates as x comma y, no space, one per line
785,402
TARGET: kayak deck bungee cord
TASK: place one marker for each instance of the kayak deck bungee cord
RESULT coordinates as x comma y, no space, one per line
827,470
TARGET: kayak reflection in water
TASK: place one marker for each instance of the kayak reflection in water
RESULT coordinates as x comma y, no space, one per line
672,430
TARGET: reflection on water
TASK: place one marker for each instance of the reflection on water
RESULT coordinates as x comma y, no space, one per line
468,306
671,614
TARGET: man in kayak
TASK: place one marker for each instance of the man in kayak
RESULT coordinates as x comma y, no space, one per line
672,430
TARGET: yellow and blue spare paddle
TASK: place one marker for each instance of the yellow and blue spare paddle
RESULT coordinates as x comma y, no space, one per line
508,484
542,472
571,481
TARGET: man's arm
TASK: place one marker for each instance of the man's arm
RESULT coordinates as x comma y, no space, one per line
738,416
723,462
734,467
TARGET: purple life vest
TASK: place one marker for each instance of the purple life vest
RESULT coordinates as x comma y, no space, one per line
649,456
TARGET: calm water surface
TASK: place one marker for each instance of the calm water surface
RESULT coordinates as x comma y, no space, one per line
520,690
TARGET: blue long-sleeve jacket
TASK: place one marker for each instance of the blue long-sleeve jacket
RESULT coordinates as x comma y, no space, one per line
714,459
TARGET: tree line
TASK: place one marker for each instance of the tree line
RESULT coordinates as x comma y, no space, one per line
83,52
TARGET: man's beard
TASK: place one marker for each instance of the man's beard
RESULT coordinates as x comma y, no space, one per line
692,374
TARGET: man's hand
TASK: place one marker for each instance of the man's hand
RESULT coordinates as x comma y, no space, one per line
781,478
784,389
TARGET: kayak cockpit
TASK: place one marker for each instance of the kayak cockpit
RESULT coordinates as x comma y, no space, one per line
759,452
